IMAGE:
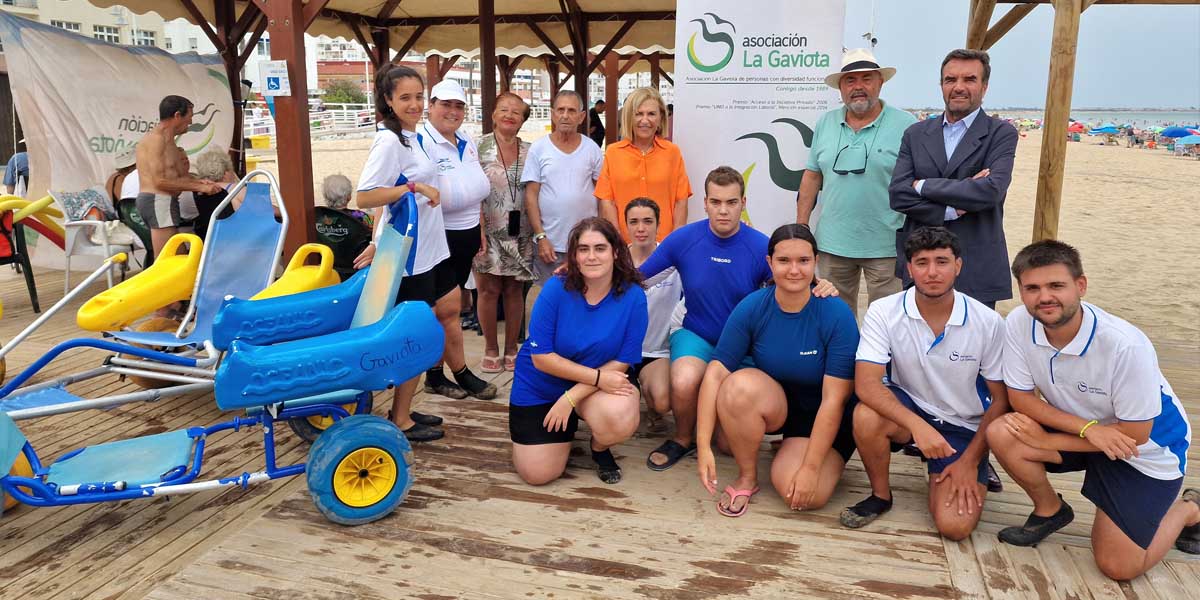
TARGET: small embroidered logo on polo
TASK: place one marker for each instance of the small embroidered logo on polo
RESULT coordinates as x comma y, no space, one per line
1083,387
956,356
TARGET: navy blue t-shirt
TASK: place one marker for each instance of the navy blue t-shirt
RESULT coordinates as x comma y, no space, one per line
716,272
796,349
564,323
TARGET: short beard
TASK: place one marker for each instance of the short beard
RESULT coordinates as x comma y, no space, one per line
1068,313
861,107
949,290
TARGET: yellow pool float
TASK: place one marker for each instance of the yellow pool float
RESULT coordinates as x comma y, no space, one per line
299,277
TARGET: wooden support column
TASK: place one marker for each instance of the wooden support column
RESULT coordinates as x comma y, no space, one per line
433,72
1058,112
655,71
580,43
977,26
227,27
382,51
612,78
487,59
552,72
286,21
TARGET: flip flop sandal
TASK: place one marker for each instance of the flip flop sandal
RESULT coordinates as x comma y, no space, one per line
491,364
673,451
510,362
733,496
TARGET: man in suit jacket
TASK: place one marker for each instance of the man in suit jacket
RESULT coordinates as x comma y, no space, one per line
954,172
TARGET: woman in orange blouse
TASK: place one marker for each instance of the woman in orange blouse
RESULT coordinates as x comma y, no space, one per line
644,164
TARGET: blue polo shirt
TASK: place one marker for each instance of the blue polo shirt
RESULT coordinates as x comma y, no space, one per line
564,323
796,349
856,218
716,272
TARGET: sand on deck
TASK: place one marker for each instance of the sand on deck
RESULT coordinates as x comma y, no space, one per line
1133,213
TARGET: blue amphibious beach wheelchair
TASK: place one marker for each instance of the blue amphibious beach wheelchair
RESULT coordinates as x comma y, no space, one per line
314,355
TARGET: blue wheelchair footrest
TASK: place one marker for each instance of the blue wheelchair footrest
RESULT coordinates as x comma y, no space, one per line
44,397
136,461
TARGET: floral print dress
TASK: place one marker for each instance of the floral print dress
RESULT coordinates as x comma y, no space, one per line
506,256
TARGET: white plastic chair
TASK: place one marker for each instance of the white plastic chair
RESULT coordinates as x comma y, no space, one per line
87,236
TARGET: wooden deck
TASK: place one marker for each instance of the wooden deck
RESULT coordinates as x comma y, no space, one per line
471,529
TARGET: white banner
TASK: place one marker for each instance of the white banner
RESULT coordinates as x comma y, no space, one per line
83,102
749,88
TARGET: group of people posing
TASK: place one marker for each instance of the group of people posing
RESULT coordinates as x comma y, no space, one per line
732,332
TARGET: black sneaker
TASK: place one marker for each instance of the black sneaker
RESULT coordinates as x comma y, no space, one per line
425,419
606,467
1038,528
994,485
436,383
864,512
1189,539
474,386
423,433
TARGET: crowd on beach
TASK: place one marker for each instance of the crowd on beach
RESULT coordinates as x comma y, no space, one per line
739,334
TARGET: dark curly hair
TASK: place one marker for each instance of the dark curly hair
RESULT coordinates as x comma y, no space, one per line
624,273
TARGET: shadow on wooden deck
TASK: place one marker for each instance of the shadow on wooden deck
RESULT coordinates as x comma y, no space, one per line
471,529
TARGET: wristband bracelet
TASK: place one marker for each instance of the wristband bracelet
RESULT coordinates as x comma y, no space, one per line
597,384
1085,427
569,400
412,187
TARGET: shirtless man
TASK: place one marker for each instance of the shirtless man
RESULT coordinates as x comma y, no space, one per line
162,176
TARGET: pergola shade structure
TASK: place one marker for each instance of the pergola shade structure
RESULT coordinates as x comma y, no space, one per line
573,36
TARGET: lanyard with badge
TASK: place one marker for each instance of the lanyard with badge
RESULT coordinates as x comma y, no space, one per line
514,214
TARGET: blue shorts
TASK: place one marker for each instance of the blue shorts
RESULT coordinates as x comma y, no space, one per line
686,343
1136,502
958,437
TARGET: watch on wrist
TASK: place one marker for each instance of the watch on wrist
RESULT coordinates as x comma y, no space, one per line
537,237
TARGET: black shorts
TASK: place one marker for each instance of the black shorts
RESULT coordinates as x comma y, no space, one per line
428,287
1136,502
464,245
800,423
958,437
635,371
525,425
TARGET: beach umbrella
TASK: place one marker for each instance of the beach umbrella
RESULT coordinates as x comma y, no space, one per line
1190,140
1075,127
1178,132
1106,130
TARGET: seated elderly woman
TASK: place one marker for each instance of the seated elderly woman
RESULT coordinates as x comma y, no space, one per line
213,165
337,189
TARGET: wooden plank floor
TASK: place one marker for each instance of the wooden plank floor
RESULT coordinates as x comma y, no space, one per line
471,529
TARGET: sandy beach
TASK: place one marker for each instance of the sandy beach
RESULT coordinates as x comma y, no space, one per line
1132,213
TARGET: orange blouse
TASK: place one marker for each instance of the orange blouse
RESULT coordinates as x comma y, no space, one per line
658,174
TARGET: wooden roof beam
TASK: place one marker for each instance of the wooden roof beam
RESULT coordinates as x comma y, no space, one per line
541,35
388,9
531,18
199,19
311,10
612,43
977,22
1006,23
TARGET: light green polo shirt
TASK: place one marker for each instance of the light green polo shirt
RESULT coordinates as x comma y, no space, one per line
856,220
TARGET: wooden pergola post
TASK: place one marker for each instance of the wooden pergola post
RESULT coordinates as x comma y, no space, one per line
655,71
977,25
487,59
1054,124
552,74
286,22
612,78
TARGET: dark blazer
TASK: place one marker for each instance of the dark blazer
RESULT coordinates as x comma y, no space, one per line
990,144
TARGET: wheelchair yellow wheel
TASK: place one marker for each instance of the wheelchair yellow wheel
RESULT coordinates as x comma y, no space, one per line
20,468
3,370
322,422
311,428
155,324
364,477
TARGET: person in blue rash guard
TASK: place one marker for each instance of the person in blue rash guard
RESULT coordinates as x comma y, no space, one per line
719,261
801,384
586,330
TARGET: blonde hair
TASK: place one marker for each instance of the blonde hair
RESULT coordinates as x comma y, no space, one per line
629,111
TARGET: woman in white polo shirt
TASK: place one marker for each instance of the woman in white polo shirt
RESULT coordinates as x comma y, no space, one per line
463,188
396,166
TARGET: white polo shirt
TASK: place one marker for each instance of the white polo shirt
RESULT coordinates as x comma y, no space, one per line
387,160
1109,373
941,373
462,186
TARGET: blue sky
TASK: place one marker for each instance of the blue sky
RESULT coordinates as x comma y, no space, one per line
1129,56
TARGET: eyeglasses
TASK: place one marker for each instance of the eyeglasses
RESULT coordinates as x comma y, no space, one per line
852,158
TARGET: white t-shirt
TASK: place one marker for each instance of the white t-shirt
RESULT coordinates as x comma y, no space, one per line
568,185
131,185
940,373
1109,372
462,186
388,160
661,300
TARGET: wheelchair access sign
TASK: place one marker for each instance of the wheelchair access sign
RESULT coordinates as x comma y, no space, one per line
275,78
